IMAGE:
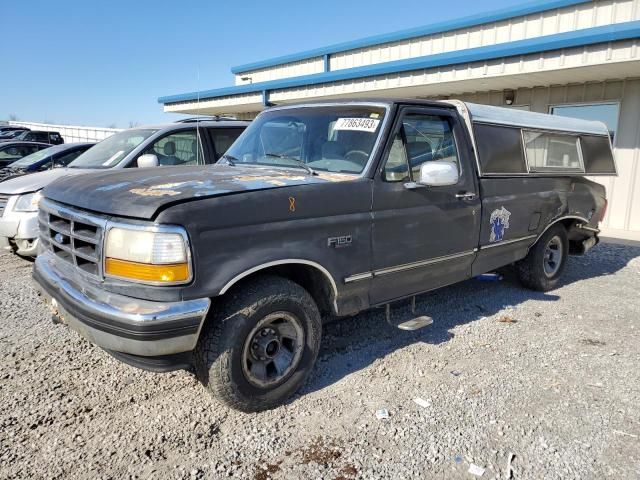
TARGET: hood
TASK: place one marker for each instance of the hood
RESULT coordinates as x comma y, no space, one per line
7,173
37,181
141,192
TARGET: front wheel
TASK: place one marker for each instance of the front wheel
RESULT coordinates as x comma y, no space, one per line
542,267
260,345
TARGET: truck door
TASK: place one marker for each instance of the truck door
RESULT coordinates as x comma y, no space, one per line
423,237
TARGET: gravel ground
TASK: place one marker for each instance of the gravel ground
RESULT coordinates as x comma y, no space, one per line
548,383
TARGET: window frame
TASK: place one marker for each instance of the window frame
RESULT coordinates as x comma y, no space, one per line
398,129
549,170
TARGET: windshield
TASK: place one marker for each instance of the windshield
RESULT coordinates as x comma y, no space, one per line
32,159
325,138
112,150
11,133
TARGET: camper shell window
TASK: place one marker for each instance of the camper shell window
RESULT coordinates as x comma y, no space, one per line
515,151
597,155
552,152
500,149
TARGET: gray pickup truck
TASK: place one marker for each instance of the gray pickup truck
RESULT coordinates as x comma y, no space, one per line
317,211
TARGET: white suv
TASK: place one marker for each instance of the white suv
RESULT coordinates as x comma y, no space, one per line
189,142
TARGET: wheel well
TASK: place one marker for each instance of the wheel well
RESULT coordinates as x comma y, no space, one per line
312,279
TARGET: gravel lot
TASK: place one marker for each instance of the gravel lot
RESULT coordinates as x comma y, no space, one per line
550,381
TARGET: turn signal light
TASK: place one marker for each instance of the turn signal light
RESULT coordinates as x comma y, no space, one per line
172,273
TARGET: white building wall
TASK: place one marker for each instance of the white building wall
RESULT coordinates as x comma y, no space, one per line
295,69
578,17
595,62
71,133
551,22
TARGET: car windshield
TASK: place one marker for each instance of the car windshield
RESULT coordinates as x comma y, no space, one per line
325,138
32,159
11,133
112,150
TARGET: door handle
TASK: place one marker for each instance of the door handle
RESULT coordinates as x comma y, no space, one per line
466,196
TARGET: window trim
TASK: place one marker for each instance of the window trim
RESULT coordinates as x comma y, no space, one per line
559,171
399,127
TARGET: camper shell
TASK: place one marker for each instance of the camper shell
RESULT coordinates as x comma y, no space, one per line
511,142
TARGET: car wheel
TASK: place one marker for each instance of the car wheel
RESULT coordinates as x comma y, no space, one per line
260,345
542,267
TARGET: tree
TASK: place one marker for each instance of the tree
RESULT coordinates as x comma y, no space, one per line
133,124
13,117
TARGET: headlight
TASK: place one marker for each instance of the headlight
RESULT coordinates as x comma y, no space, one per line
154,257
28,202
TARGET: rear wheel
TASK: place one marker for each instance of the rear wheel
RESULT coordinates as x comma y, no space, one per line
542,267
260,345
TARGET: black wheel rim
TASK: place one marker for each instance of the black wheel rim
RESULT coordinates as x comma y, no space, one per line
273,349
553,255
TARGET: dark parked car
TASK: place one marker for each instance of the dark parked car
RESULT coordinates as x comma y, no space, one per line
52,138
52,157
15,150
10,128
12,133
330,208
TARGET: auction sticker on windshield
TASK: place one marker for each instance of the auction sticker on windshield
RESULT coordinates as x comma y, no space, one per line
357,124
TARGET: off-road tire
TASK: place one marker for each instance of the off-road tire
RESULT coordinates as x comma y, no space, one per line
218,356
531,271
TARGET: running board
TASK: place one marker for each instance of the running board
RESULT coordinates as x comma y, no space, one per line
414,322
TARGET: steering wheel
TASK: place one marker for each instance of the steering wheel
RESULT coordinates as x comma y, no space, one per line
363,156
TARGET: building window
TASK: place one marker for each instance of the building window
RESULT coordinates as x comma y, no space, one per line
607,113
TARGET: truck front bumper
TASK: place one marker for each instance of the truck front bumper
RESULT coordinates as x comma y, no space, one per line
21,230
134,328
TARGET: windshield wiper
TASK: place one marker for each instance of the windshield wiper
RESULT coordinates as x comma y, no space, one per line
297,160
230,159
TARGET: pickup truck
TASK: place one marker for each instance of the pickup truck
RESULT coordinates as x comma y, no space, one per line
317,211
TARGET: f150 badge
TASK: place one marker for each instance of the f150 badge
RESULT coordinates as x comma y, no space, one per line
339,242
499,223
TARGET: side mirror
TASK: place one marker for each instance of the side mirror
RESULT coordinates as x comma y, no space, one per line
148,160
436,174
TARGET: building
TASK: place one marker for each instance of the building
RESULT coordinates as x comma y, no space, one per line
70,133
566,57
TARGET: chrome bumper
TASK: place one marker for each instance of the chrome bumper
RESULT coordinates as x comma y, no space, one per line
119,323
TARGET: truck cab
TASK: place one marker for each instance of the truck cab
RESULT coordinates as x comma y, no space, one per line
318,210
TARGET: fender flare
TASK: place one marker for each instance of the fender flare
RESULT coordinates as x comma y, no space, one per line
555,221
287,261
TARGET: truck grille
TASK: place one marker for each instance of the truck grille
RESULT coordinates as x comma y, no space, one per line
72,235
3,203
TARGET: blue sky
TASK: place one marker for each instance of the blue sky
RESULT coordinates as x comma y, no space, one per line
105,63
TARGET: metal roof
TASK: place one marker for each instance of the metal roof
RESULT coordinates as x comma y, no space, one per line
587,36
465,22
